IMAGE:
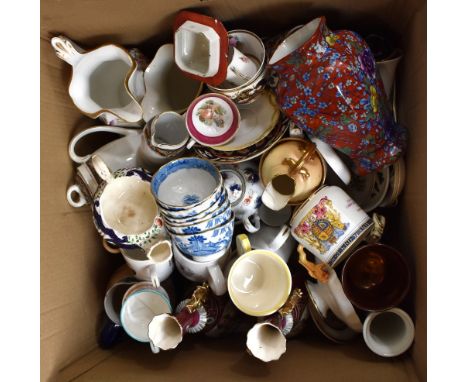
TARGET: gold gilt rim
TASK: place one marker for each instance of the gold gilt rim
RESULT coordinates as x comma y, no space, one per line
322,160
127,79
273,121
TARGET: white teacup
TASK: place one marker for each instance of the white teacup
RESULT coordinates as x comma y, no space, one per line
241,68
114,296
197,271
259,281
388,333
155,265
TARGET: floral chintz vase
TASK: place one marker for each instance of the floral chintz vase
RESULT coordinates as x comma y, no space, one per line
330,88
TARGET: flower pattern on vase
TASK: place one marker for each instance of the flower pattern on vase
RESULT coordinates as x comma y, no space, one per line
330,88
211,112
322,226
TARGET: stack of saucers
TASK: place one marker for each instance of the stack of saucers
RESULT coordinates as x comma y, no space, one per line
195,207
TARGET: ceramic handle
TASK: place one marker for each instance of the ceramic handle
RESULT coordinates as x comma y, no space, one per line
109,248
190,143
154,348
66,50
92,130
216,280
243,244
333,160
101,169
75,189
280,238
252,228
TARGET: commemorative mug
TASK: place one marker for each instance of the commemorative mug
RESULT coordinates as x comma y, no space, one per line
330,225
87,181
107,82
156,265
124,210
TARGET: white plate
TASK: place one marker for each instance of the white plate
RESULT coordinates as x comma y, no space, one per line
257,120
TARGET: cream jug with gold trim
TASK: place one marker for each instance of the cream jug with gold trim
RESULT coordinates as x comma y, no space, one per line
106,82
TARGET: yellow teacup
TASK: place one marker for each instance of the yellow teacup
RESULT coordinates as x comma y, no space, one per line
259,281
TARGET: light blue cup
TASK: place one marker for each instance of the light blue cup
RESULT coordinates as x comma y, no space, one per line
203,245
187,186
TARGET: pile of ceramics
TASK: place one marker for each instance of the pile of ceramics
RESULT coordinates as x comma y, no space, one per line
245,173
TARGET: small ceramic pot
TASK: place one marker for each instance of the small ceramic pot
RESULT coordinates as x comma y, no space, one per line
389,333
210,271
187,185
106,81
291,171
244,188
330,224
205,245
167,133
124,210
212,120
167,88
251,45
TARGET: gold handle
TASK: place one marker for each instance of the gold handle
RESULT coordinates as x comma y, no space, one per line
291,302
198,297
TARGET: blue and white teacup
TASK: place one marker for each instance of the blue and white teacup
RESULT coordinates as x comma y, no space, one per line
205,245
187,185
124,210
221,202
209,223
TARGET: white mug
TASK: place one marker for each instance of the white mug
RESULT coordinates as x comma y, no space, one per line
197,271
388,333
155,265
279,192
114,296
274,218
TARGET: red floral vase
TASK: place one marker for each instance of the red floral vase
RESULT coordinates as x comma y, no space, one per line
329,86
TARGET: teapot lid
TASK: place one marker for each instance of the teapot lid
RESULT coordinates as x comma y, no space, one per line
201,47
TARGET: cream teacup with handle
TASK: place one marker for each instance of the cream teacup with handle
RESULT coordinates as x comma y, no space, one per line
156,265
259,281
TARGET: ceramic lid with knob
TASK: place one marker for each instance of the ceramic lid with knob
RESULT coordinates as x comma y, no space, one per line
212,119
201,47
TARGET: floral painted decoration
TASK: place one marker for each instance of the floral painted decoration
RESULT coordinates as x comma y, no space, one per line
330,87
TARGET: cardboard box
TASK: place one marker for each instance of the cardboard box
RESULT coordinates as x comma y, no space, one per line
74,268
